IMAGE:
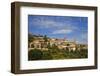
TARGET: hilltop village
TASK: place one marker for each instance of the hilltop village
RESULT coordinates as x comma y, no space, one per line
46,48
44,43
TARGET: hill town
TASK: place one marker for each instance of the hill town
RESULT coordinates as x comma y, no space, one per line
45,44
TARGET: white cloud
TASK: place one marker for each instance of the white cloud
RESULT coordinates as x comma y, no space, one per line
63,31
45,23
59,27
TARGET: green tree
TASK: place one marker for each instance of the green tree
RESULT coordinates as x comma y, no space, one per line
46,55
45,38
30,38
35,54
54,49
48,45
45,41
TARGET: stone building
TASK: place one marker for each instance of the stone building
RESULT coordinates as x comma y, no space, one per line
39,43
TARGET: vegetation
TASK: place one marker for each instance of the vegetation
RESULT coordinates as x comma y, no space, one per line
30,38
55,53
45,38
35,54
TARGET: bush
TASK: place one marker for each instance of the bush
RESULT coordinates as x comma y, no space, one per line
35,54
46,55
76,54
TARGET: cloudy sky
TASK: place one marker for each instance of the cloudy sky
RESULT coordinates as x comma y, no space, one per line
63,27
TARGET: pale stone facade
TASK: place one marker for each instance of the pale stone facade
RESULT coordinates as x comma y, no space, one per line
39,43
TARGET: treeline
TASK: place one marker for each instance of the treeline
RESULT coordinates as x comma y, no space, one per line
53,54
31,37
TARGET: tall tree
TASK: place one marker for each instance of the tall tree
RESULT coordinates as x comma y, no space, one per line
30,38
45,38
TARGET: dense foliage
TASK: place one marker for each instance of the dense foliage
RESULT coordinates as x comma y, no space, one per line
35,54
55,53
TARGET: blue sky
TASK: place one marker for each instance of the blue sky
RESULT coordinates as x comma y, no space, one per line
63,27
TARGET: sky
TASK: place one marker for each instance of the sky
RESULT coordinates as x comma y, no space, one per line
61,27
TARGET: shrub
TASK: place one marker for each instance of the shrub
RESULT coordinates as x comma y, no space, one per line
46,55
35,54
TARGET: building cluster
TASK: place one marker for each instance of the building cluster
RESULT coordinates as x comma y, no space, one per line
63,44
